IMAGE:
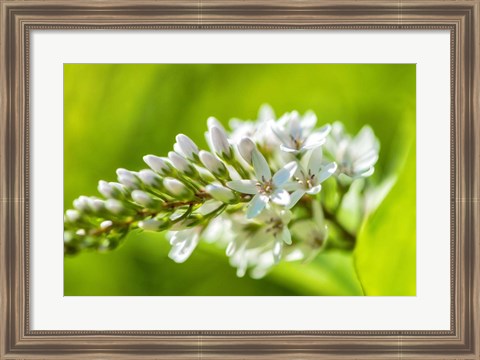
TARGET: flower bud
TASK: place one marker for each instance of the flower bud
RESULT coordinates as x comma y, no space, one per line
188,148
142,198
181,164
81,203
215,166
150,178
128,178
81,232
220,142
106,224
110,190
177,188
114,206
221,193
159,164
72,215
153,225
245,148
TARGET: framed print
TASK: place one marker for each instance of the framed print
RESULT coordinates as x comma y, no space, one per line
239,179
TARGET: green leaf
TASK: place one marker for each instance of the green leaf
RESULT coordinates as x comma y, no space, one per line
385,255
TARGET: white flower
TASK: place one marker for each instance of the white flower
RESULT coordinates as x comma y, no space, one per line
259,244
295,132
183,243
312,235
308,180
258,130
356,156
266,187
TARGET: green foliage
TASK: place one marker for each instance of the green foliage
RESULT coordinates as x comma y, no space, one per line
385,253
115,114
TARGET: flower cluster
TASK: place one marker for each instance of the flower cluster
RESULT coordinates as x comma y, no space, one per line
257,191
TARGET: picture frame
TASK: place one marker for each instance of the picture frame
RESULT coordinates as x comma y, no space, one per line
18,18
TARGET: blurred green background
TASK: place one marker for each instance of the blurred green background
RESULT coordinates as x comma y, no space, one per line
115,114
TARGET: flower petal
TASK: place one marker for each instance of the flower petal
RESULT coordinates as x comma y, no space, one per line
260,165
243,186
314,190
288,149
285,173
181,251
365,161
286,236
280,197
326,172
309,120
256,206
295,197
277,251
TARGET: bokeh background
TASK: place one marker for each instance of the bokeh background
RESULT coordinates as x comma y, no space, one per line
116,113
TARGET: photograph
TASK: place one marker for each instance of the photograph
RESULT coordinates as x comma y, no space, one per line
239,179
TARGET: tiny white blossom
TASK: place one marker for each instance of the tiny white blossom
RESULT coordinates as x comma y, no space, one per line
295,132
308,180
259,131
183,243
355,156
266,187
262,248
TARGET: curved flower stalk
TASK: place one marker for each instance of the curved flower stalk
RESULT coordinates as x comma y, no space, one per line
257,192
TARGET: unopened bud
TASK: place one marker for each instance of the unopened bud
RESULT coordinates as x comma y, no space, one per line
245,148
177,188
215,166
220,142
114,206
159,164
221,193
150,178
181,164
188,148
